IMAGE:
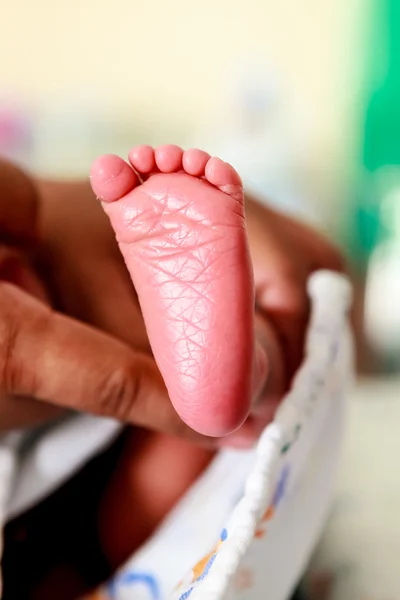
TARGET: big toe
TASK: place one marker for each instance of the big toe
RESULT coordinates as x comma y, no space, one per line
111,178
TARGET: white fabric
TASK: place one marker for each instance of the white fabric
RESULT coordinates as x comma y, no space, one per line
291,471
52,458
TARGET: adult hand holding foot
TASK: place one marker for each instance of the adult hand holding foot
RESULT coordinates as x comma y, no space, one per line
82,269
51,359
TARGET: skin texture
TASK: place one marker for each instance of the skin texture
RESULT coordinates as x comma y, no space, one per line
184,242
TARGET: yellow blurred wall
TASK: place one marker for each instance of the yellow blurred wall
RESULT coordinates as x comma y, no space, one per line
163,59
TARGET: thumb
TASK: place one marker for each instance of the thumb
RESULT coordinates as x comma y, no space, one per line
49,357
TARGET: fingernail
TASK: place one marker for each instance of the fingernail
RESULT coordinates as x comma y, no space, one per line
260,372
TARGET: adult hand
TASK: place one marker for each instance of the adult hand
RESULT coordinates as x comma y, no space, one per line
285,252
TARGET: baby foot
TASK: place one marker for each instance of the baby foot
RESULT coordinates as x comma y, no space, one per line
179,222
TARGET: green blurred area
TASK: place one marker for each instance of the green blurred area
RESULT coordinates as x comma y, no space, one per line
381,127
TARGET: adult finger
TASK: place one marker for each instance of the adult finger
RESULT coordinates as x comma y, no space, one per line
55,359
281,294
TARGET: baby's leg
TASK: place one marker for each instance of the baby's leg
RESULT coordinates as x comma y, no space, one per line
179,222
153,472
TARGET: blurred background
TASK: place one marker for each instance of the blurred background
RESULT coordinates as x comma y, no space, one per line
303,98
299,96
